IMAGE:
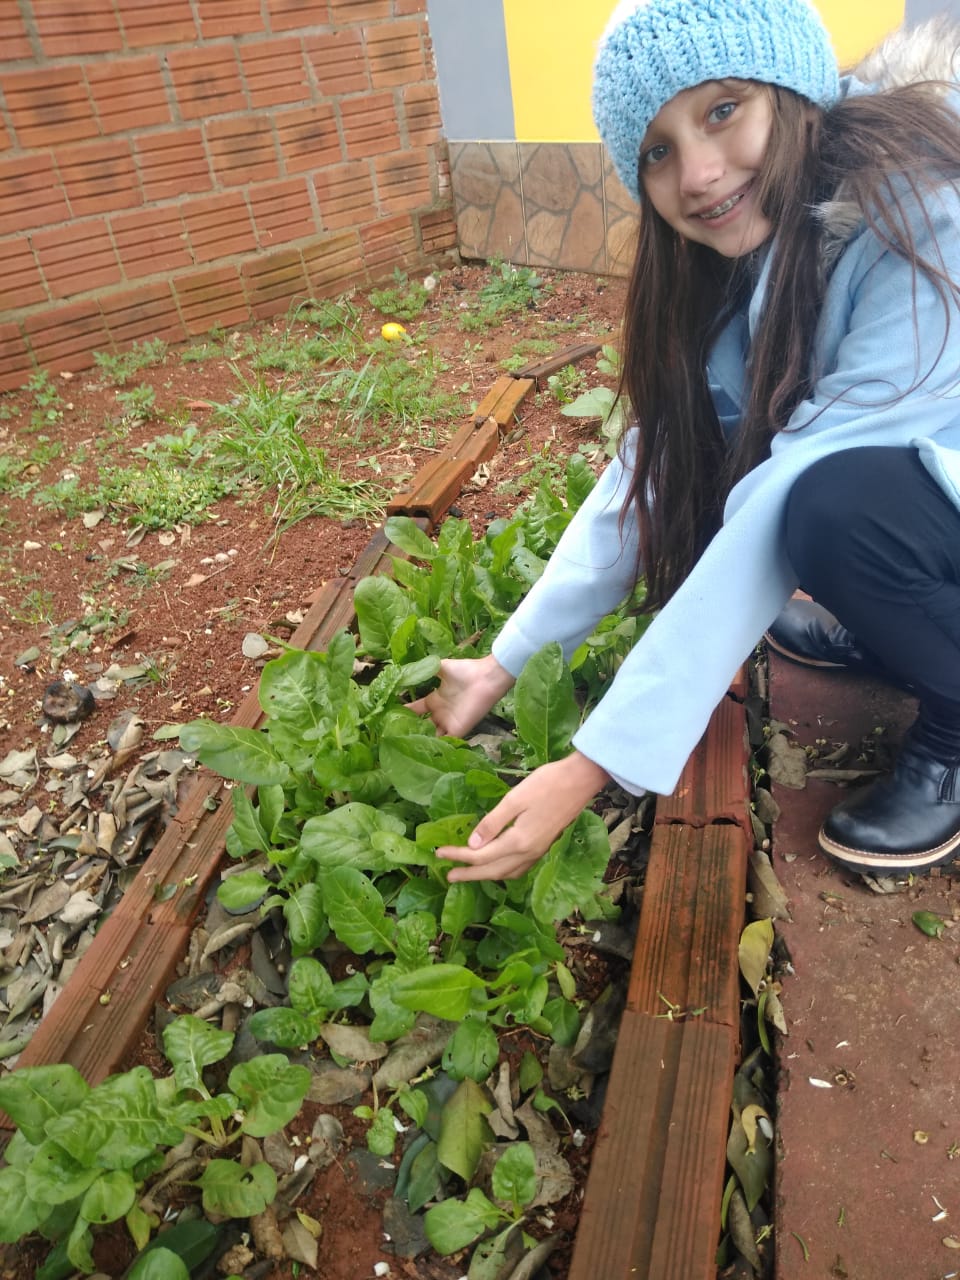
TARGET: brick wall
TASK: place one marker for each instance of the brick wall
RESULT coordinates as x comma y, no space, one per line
168,166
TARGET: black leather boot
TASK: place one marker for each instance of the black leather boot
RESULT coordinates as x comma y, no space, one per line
807,633
908,821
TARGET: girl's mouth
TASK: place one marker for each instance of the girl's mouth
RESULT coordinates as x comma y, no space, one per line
719,210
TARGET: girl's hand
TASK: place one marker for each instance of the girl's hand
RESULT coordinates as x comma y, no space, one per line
468,688
527,820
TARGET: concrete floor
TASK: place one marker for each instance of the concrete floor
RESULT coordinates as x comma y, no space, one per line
868,1175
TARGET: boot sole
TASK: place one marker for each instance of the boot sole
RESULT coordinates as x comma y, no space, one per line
890,863
820,663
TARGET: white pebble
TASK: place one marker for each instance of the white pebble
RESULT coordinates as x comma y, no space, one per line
381,1269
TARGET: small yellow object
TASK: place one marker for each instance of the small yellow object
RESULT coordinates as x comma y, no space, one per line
392,331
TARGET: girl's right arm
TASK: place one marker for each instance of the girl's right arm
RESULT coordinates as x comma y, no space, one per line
591,571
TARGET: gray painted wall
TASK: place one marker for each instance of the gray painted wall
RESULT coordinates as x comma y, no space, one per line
918,10
470,44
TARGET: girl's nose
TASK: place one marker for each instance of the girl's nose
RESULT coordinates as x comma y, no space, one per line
700,166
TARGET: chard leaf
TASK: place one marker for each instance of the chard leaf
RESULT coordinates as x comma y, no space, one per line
414,763
452,830
236,1192
514,1177
472,1051
270,1090
342,837
572,871
305,690
118,1124
390,1019
270,809
245,755
356,912
445,990
453,1224
55,1177
243,891
79,1242
406,534
310,987
109,1198
381,607
417,673
192,1044
425,1177
33,1095
464,1132
580,481
20,1214
545,708
305,918
248,833
285,1027
415,934
159,1264
461,908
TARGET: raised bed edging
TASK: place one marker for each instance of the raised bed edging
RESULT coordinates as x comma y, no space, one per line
652,1204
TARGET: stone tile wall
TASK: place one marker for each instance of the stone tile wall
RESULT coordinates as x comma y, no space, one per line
544,204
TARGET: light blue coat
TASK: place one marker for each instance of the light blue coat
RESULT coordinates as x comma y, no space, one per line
889,375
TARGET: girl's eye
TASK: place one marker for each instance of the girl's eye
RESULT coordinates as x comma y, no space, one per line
653,155
722,112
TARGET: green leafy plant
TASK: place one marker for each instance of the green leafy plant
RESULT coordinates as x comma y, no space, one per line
404,301
119,367
509,289
603,403
83,1156
566,383
138,402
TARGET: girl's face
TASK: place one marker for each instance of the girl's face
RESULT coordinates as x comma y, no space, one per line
700,160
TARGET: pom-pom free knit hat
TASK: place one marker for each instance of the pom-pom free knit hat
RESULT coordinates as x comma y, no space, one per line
652,49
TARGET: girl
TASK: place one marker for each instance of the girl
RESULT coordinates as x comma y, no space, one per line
792,362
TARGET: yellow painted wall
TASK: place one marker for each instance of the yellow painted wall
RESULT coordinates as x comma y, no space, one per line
551,43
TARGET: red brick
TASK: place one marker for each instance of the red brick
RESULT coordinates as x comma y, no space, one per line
30,194
295,15
218,226
438,232
211,299
149,311
282,211
406,8
389,242
71,27
335,263
370,125
14,40
273,281
151,240
49,105
21,284
242,150
344,11
713,786
421,107
229,17
66,337
173,164
395,53
207,81
404,180
345,194
16,362
6,144
275,71
339,62
99,176
308,138
76,259
147,22
129,93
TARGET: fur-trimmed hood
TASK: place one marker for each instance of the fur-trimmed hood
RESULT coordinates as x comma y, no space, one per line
909,55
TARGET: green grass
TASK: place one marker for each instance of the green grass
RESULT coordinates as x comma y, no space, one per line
509,289
119,367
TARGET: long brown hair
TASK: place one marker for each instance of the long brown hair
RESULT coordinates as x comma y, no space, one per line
878,151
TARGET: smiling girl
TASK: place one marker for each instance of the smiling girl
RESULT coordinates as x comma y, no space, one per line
791,362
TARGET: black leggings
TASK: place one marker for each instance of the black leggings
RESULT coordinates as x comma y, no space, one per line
874,539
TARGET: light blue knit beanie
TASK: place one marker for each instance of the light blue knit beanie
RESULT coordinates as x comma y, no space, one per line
652,49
